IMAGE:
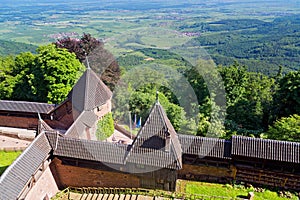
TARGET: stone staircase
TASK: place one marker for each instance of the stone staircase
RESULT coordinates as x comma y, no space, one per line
90,193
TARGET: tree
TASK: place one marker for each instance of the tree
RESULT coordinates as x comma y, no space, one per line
101,60
195,76
81,47
53,74
133,93
142,100
287,98
45,77
24,63
235,80
286,128
7,80
249,99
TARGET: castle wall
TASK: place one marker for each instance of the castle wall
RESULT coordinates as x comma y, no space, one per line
67,175
78,173
252,171
70,172
207,173
269,178
267,172
62,117
104,109
19,121
44,188
31,122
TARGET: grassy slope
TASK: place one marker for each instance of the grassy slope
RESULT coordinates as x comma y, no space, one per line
6,158
213,189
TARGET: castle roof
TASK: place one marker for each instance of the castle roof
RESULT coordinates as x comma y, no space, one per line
205,147
266,149
85,120
157,142
89,92
87,149
19,175
25,106
43,126
148,148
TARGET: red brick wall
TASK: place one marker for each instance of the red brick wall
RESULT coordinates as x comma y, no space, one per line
84,177
64,123
18,122
202,172
62,117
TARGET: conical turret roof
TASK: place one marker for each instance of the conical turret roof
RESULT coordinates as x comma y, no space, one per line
89,92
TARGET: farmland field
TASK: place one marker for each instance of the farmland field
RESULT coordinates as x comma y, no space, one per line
231,30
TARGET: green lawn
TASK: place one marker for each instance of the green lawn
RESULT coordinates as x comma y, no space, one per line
6,158
213,189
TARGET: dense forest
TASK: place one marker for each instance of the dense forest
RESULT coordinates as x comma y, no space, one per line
260,45
13,48
257,105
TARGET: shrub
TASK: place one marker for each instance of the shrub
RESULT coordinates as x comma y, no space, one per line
105,127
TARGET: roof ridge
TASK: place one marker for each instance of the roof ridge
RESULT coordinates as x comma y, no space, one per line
85,119
17,101
43,126
87,85
89,92
139,132
173,135
72,125
16,175
162,115
264,139
138,135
